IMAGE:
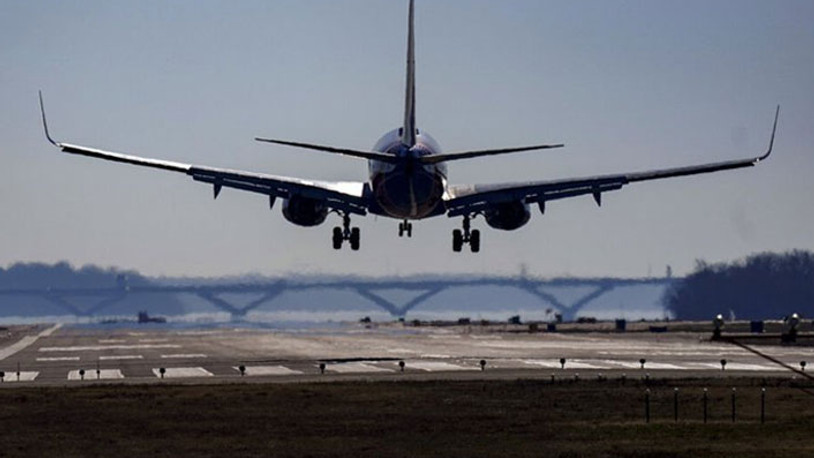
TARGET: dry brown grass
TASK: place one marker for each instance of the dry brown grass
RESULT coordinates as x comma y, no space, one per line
437,418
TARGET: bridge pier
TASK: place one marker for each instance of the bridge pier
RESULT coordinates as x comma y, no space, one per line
102,304
236,311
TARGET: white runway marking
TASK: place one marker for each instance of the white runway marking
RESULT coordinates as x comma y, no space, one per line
90,374
25,342
624,364
737,367
50,330
601,364
62,358
180,356
119,357
153,340
269,370
584,364
665,366
109,347
569,364
355,367
437,366
549,364
183,372
111,341
23,377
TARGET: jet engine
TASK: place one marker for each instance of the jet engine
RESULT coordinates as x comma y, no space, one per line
507,216
303,211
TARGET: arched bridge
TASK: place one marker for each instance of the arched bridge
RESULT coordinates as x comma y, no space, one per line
93,301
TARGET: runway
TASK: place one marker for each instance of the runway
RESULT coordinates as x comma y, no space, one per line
73,355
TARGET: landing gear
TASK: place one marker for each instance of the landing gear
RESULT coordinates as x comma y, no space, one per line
405,227
467,235
340,234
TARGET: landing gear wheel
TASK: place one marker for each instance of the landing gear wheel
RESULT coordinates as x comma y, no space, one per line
466,235
340,234
474,241
405,227
457,240
354,239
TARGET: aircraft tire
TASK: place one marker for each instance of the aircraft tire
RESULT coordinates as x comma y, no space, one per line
354,239
474,241
457,240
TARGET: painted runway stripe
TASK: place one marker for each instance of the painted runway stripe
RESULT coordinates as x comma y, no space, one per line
437,366
268,370
25,376
153,340
600,364
624,364
119,357
108,347
59,358
736,367
181,356
90,374
355,367
569,364
111,341
182,372
664,366
25,342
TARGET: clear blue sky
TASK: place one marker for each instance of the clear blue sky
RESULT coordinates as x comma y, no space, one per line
627,85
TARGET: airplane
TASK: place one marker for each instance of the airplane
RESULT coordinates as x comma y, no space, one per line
407,179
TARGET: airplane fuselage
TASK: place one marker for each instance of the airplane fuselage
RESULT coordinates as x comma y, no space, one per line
407,189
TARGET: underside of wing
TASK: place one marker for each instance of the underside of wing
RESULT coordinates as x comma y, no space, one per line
345,196
473,199
349,197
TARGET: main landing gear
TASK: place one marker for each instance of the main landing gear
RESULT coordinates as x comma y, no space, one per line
472,237
346,233
405,227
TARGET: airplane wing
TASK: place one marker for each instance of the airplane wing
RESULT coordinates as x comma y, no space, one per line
346,196
471,199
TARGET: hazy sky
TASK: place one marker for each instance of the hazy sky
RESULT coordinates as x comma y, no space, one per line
626,85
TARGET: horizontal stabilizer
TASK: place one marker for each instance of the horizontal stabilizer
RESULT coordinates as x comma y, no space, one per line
436,158
330,149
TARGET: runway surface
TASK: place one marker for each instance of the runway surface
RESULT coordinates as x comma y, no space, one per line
73,355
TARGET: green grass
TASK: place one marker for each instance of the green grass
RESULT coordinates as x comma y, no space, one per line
437,418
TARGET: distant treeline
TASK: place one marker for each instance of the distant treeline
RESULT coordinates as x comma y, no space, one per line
54,277
762,286
63,275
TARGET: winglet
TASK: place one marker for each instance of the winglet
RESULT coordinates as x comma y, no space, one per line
771,140
45,122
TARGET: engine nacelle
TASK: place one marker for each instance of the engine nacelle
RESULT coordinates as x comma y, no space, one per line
508,216
303,211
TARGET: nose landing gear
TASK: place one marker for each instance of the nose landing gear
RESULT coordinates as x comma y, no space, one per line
468,235
344,233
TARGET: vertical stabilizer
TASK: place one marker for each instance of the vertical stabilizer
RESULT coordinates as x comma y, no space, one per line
409,132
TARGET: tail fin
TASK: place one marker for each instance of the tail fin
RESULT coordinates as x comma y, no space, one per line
408,132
